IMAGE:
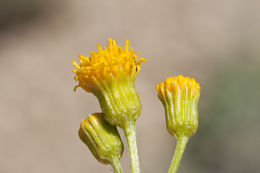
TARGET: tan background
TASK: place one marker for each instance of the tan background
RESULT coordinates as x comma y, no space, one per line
217,42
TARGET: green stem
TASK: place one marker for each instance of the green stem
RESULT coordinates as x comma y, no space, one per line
130,133
116,165
180,147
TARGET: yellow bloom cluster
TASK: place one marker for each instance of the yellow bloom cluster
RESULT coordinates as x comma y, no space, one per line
178,86
106,65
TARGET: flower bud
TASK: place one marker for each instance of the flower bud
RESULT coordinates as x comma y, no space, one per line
180,97
101,138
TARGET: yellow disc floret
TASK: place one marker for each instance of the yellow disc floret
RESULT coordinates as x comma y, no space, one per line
106,65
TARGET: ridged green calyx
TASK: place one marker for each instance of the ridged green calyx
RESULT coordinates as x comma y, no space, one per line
101,138
120,102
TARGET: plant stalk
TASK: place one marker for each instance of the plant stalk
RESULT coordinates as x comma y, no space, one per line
116,165
180,147
130,133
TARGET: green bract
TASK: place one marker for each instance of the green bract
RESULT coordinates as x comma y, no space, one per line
119,102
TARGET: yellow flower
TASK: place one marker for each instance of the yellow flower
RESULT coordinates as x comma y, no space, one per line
180,97
106,65
110,74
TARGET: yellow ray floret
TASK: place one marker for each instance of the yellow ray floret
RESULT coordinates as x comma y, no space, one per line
106,65
178,87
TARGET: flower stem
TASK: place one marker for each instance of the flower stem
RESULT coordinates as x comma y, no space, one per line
130,133
116,165
180,147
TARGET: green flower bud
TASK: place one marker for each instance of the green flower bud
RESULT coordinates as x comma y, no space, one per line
180,97
101,138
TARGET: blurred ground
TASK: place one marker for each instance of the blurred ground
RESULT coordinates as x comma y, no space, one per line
217,42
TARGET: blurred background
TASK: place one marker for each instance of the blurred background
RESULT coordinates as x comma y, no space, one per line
217,42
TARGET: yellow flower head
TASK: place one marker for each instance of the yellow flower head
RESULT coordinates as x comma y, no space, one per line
180,97
106,65
109,74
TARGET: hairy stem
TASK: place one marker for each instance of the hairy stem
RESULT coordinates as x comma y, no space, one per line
130,133
180,147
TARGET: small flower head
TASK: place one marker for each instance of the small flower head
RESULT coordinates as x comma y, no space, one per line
109,74
108,65
180,97
101,138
